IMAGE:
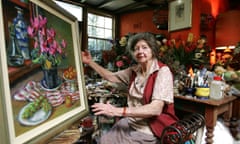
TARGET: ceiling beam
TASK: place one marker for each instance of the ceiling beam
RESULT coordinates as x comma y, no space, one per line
132,6
104,3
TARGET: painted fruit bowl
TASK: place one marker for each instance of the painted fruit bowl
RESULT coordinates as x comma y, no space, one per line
70,74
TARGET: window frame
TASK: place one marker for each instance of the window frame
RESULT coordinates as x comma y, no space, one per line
104,14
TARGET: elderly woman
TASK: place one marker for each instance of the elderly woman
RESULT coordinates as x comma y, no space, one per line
150,100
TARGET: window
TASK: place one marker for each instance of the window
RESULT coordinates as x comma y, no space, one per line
73,9
100,34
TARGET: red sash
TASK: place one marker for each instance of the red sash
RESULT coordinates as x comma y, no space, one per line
167,117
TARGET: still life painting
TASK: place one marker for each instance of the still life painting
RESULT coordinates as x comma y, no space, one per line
51,94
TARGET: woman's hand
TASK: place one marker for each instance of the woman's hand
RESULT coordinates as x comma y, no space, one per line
104,73
105,109
86,57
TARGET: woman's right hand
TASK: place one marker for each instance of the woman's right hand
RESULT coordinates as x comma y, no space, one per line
86,57
104,73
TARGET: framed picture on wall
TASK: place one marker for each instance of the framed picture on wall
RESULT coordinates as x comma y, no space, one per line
38,105
180,15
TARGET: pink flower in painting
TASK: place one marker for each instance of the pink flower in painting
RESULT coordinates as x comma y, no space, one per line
47,48
51,33
42,21
30,31
64,43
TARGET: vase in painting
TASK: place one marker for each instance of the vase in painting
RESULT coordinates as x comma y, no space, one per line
51,79
14,55
21,35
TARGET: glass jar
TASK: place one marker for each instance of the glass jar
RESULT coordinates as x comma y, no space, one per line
216,88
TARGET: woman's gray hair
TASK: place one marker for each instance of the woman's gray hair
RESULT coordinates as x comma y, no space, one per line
150,40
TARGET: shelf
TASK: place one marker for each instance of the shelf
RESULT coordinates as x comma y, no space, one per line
15,73
18,2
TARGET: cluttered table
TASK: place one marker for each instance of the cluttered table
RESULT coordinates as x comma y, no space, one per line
101,92
210,109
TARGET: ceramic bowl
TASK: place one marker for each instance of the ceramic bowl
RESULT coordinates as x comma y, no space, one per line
202,91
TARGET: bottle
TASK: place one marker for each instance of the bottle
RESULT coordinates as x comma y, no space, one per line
216,88
68,101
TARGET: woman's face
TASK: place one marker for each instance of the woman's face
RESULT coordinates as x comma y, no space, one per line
142,52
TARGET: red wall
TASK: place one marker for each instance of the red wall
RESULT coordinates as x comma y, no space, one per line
227,28
138,22
214,8
142,21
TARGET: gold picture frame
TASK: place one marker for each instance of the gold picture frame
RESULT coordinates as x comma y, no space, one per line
12,129
180,15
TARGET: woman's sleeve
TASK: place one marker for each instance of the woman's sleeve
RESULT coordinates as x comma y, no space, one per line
163,87
124,75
